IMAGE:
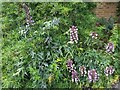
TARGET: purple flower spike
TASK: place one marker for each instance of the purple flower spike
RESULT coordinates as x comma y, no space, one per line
92,75
109,70
110,47
75,76
94,35
70,65
74,34
82,70
29,20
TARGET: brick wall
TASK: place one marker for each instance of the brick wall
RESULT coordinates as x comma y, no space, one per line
106,9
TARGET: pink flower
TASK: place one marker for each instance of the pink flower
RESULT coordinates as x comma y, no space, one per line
70,65
92,75
82,70
109,70
110,47
94,35
75,76
74,34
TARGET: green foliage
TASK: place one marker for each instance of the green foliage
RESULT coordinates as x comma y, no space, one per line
36,56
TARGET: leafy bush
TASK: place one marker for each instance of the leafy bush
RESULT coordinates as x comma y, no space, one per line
37,45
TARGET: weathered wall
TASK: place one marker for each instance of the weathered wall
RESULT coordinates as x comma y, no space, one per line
106,9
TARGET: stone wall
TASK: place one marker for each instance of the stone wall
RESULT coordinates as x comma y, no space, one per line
106,9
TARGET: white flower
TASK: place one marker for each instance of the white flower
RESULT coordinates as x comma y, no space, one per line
73,34
92,75
75,76
82,70
70,65
109,70
94,35
110,47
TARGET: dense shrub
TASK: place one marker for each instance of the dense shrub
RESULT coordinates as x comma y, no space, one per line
37,45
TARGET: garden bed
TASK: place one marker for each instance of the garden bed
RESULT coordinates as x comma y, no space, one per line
58,45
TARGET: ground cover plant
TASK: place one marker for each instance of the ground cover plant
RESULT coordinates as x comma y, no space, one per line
58,45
